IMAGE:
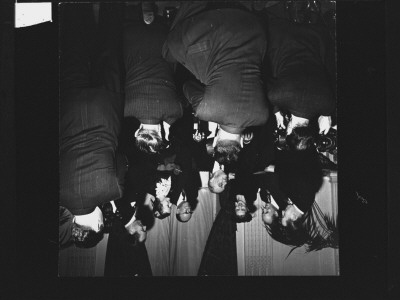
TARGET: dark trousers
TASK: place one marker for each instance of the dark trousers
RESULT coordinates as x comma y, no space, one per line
124,257
220,256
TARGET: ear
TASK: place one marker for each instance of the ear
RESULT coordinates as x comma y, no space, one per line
241,141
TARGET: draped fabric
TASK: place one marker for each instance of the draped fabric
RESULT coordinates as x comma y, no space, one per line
158,245
188,240
175,248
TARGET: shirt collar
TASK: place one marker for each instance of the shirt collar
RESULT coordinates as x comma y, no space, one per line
273,202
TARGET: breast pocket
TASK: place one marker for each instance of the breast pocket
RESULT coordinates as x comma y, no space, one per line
197,59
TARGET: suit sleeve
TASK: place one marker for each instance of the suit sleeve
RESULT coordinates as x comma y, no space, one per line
270,182
194,93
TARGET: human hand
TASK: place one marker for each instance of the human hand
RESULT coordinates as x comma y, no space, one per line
324,123
247,137
198,136
93,220
296,122
136,227
279,120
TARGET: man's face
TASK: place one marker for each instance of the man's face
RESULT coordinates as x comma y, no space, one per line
184,211
218,181
240,206
290,213
166,206
269,214
138,228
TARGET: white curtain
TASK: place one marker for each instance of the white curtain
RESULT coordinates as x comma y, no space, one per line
175,248
158,245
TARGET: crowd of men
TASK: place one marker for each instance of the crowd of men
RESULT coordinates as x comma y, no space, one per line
149,102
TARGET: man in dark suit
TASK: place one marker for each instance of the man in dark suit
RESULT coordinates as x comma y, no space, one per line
223,48
299,84
91,110
150,92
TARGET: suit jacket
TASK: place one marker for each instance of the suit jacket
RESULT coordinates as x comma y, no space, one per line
150,92
91,110
224,49
299,81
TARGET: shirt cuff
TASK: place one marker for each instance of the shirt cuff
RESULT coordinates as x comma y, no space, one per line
131,221
166,130
273,202
216,167
113,206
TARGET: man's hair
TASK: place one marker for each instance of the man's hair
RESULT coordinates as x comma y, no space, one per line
297,224
301,138
297,235
85,237
287,235
212,188
149,141
247,217
157,206
226,151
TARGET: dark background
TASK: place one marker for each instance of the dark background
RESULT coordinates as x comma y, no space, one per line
368,133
